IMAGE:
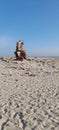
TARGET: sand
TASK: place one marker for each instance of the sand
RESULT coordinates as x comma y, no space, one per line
29,94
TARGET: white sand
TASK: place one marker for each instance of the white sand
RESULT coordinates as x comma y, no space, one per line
29,94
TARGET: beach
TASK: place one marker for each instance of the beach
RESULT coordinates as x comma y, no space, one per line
29,94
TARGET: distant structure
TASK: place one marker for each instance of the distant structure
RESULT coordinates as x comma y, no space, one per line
19,52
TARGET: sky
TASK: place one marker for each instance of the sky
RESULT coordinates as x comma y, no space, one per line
34,21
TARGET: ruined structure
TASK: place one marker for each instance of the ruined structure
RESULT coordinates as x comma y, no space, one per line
19,52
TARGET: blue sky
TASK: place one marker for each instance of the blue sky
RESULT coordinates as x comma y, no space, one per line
34,21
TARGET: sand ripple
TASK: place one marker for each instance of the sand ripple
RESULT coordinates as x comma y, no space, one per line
29,94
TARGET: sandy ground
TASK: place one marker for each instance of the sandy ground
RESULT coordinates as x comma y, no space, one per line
29,94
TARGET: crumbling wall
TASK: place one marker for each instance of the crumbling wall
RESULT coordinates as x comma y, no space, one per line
20,52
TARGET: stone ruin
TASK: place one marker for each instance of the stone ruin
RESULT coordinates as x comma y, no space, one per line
19,52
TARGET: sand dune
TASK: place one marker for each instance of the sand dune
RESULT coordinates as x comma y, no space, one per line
29,94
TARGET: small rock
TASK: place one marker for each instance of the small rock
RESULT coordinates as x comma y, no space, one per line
30,74
26,72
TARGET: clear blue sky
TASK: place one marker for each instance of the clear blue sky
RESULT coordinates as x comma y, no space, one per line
34,21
